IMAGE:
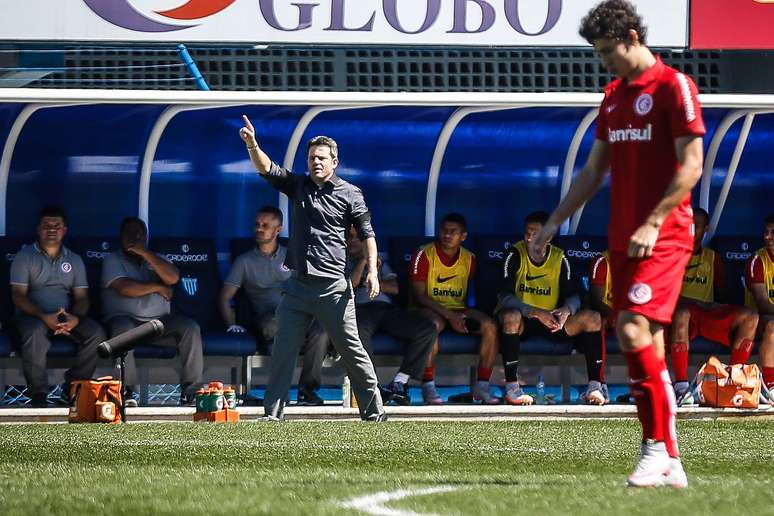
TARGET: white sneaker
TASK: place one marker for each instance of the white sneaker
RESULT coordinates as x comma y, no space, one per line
683,394
515,396
481,393
653,468
596,394
676,477
430,395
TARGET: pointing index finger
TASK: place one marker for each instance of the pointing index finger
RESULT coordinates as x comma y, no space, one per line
247,122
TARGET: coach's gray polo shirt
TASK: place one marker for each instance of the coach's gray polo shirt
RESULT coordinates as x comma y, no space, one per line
49,282
150,306
261,276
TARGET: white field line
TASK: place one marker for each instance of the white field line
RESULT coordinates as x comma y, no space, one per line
374,504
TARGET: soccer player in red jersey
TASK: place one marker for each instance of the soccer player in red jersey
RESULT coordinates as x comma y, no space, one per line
760,296
700,312
649,136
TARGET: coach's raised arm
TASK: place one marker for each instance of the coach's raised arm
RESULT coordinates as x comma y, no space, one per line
259,158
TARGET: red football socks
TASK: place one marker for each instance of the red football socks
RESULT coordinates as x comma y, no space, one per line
649,384
484,373
679,354
742,354
768,377
429,374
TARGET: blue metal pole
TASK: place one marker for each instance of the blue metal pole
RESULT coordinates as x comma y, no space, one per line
192,68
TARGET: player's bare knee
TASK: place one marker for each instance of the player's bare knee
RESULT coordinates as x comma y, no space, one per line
510,321
593,321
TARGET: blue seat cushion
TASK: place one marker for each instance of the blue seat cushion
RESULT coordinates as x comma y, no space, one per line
228,344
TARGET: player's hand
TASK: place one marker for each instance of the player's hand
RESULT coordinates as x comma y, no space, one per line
372,283
643,241
546,318
164,291
137,248
538,243
247,133
457,321
561,315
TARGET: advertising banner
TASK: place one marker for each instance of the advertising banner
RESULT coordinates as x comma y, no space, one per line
732,24
316,22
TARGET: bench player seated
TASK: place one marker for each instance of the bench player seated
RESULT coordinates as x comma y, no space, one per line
700,310
540,299
760,296
440,274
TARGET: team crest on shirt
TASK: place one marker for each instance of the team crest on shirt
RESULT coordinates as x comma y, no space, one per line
640,293
66,267
643,104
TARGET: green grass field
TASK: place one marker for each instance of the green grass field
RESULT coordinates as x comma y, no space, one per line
547,467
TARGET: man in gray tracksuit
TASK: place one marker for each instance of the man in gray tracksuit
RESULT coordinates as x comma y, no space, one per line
324,208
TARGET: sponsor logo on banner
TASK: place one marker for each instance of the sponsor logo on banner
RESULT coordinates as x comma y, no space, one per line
123,14
190,285
738,24
311,22
99,255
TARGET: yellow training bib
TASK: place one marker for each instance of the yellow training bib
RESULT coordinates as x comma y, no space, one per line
699,278
538,285
448,286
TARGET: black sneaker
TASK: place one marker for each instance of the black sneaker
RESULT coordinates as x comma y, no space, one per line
64,396
397,392
131,398
187,399
376,418
39,400
307,398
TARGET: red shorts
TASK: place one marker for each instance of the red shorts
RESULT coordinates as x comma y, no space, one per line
713,324
649,286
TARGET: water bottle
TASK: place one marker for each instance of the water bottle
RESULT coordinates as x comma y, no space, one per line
541,390
346,392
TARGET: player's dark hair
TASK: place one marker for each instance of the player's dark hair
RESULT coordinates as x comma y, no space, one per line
613,19
52,211
539,217
134,220
455,218
271,210
769,219
703,213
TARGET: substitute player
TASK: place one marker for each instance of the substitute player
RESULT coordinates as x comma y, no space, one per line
760,297
649,135
540,298
700,312
440,275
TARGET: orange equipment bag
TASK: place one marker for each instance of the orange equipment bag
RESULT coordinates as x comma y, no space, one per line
95,401
732,386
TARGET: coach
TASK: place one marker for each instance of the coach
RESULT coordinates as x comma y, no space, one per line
324,208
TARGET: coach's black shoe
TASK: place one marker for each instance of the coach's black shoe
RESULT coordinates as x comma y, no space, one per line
395,392
376,418
307,398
